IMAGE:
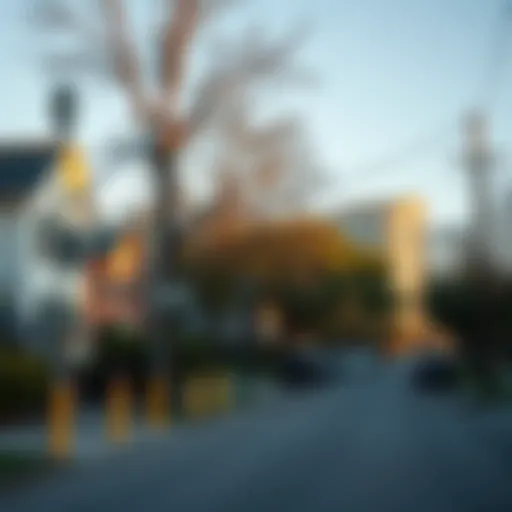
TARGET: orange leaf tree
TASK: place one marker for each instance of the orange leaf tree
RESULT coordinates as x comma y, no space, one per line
306,265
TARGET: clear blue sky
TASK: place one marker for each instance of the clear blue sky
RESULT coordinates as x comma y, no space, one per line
390,72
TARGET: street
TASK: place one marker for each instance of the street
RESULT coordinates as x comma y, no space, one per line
371,445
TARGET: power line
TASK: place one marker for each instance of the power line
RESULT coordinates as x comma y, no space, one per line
490,87
431,141
422,146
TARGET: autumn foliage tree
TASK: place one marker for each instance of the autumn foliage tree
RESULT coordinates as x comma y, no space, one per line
290,249
315,274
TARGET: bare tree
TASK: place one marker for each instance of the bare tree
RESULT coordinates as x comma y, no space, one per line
248,62
111,47
272,162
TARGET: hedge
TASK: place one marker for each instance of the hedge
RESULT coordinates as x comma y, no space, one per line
129,354
187,356
23,384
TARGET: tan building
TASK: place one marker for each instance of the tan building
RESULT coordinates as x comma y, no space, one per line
396,228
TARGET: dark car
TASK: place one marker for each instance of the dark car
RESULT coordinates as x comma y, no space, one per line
304,369
435,373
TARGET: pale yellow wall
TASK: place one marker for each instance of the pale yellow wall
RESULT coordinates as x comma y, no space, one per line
405,239
397,227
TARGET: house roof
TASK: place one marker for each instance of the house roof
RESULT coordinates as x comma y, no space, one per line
22,165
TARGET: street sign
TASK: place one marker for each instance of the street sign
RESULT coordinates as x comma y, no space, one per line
171,296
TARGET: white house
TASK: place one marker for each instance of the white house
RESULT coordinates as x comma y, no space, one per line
32,198
23,168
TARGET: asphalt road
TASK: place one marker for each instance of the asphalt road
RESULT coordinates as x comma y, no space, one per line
374,445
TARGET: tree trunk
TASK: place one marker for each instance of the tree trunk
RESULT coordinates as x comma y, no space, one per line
162,253
161,274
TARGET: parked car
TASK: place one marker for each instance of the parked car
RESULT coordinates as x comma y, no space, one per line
304,369
435,373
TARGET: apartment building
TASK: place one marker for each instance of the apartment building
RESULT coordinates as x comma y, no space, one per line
397,229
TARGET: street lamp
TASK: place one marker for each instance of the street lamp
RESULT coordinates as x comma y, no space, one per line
55,308
66,246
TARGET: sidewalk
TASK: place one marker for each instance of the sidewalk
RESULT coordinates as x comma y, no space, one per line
91,441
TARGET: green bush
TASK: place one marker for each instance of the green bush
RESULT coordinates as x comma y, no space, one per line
212,355
478,313
456,304
121,349
23,384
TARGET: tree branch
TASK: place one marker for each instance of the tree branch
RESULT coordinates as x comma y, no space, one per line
124,56
213,8
256,62
178,35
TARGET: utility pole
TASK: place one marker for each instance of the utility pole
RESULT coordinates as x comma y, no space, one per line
479,160
479,343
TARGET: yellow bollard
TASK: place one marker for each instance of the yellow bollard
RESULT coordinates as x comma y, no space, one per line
207,394
158,410
221,388
196,396
119,415
190,396
61,419
211,394
226,388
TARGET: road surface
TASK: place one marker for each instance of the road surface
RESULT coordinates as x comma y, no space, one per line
374,445
90,441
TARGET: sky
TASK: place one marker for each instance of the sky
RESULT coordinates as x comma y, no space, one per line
389,73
